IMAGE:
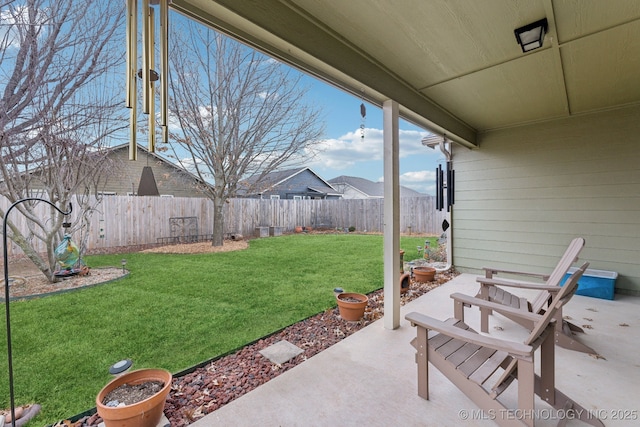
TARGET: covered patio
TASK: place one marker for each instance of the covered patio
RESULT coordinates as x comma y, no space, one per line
545,147
369,378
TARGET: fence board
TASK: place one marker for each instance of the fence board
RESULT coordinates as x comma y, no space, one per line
131,220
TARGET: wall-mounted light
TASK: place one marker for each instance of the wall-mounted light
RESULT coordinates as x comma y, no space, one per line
531,36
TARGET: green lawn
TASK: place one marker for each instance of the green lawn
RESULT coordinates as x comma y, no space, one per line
175,311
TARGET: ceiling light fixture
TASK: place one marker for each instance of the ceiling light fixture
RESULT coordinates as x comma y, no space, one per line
531,36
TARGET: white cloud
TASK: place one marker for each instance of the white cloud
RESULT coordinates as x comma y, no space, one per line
423,181
346,152
343,152
188,163
18,16
417,176
205,111
9,37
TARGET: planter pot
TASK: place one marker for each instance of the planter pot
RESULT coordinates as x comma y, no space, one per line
424,274
351,305
405,281
298,229
146,413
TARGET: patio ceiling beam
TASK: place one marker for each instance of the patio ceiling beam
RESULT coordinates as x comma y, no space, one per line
280,30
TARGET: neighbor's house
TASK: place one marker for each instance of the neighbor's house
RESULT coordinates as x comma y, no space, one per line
171,180
123,177
296,184
352,187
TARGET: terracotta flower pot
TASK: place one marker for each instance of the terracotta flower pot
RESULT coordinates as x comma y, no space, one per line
351,305
147,412
298,229
424,274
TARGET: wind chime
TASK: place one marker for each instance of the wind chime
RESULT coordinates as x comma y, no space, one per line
147,73
444,178
444,181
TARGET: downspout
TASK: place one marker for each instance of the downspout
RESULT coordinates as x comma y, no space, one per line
441,142
449,156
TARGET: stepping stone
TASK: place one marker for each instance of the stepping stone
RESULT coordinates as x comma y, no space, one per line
281,352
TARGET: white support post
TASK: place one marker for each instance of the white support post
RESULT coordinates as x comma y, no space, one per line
391,215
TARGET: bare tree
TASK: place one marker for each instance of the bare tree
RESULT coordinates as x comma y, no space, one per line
57,107
241,115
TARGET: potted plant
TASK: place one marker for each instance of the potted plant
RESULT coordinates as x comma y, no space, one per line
424,274
351,305
152,387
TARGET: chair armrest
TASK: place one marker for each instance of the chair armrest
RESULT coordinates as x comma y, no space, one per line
517,284
426,322
500,308
489,272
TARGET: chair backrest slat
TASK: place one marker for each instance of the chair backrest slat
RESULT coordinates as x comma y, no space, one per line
570,256
563,296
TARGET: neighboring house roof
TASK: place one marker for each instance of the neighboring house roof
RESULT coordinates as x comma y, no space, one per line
151,174
276,179
370,189
169,163
123,170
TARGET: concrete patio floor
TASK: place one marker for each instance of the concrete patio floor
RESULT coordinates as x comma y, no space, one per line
369,378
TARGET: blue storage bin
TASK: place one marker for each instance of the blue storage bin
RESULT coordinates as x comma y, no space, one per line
595,283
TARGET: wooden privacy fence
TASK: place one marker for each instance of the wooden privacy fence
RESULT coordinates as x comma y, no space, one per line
136,220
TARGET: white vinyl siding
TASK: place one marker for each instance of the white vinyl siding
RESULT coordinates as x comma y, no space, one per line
528,191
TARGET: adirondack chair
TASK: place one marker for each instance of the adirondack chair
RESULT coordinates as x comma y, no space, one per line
491,290
469,360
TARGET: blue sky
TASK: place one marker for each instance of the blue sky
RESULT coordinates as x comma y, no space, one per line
345,152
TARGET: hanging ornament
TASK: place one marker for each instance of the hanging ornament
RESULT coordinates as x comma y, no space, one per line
363,113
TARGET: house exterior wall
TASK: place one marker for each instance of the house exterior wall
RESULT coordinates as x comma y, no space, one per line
528,191
170,181
348,192
297,185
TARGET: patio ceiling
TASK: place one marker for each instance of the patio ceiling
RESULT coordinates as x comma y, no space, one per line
453,66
